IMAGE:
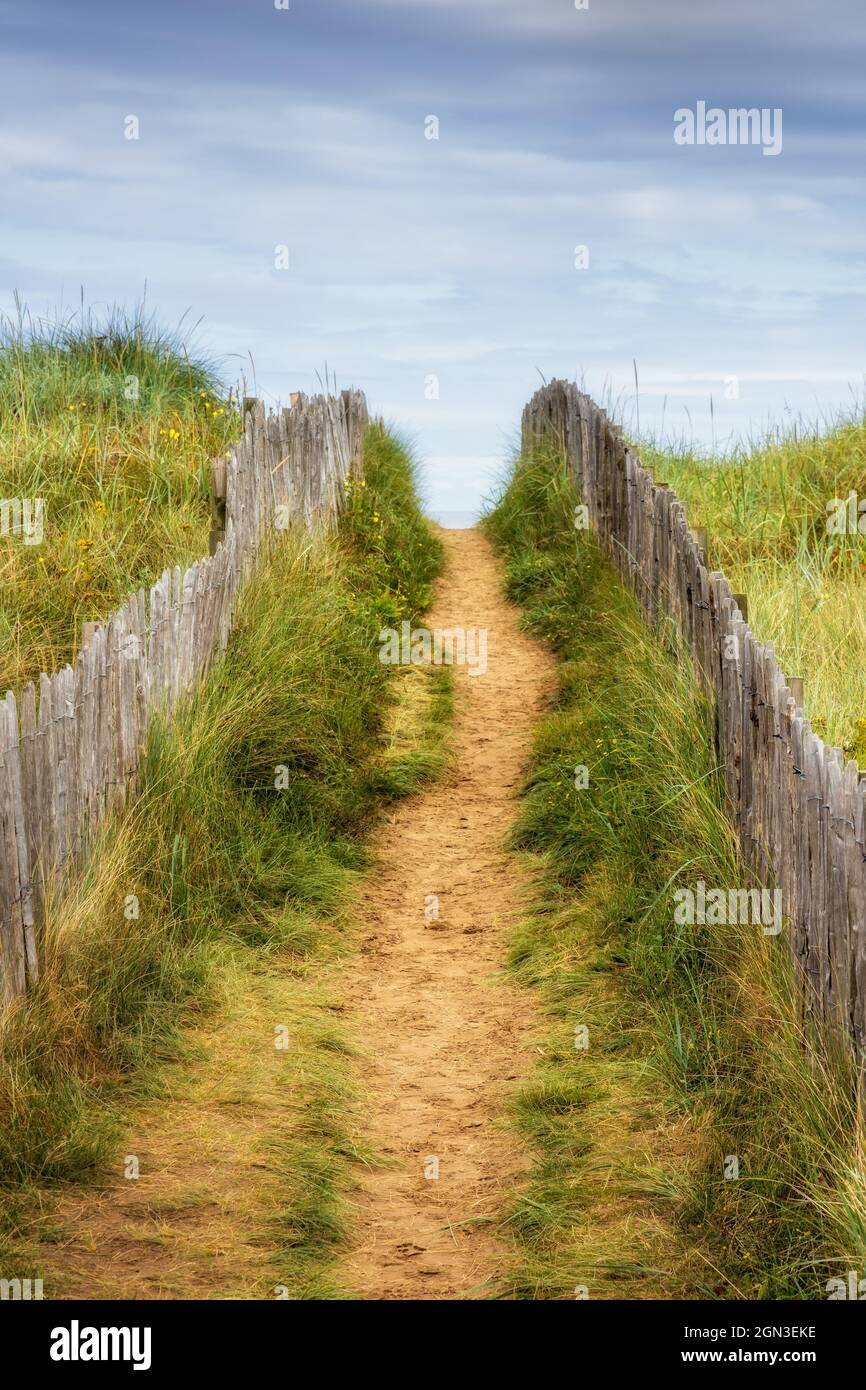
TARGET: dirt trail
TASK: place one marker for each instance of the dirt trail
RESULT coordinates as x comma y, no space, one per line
446,1037
443,1037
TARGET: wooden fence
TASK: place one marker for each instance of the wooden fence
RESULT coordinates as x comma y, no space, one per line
798,807
69,752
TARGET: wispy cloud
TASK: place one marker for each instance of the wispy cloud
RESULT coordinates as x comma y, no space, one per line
454,258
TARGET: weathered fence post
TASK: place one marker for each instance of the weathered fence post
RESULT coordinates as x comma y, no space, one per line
218,504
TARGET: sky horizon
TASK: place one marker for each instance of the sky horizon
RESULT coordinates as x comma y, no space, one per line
447,201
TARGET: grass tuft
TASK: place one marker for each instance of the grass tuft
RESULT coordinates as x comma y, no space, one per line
112,422
766,512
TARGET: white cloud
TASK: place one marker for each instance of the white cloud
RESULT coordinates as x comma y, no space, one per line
455,257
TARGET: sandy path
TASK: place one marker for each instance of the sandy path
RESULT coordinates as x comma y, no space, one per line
444,1036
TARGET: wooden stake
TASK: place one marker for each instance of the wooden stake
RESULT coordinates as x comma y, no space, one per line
218,504
701,540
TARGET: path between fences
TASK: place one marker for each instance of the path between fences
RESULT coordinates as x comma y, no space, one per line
444,1038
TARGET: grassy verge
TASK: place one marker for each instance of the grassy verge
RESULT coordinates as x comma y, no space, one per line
112,424
237,857
766,511
695,1052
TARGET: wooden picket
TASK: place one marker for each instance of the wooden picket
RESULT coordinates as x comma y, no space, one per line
798,807
69,753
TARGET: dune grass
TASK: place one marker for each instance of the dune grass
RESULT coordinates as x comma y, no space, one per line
112,422
241,847
766,512
695,1049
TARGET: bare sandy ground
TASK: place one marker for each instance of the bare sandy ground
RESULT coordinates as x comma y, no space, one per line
444,1035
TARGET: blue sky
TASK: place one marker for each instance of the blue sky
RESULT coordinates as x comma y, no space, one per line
412,258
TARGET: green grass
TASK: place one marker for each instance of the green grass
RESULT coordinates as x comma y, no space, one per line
401,553
244,841
112,421
766,510
696,1050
